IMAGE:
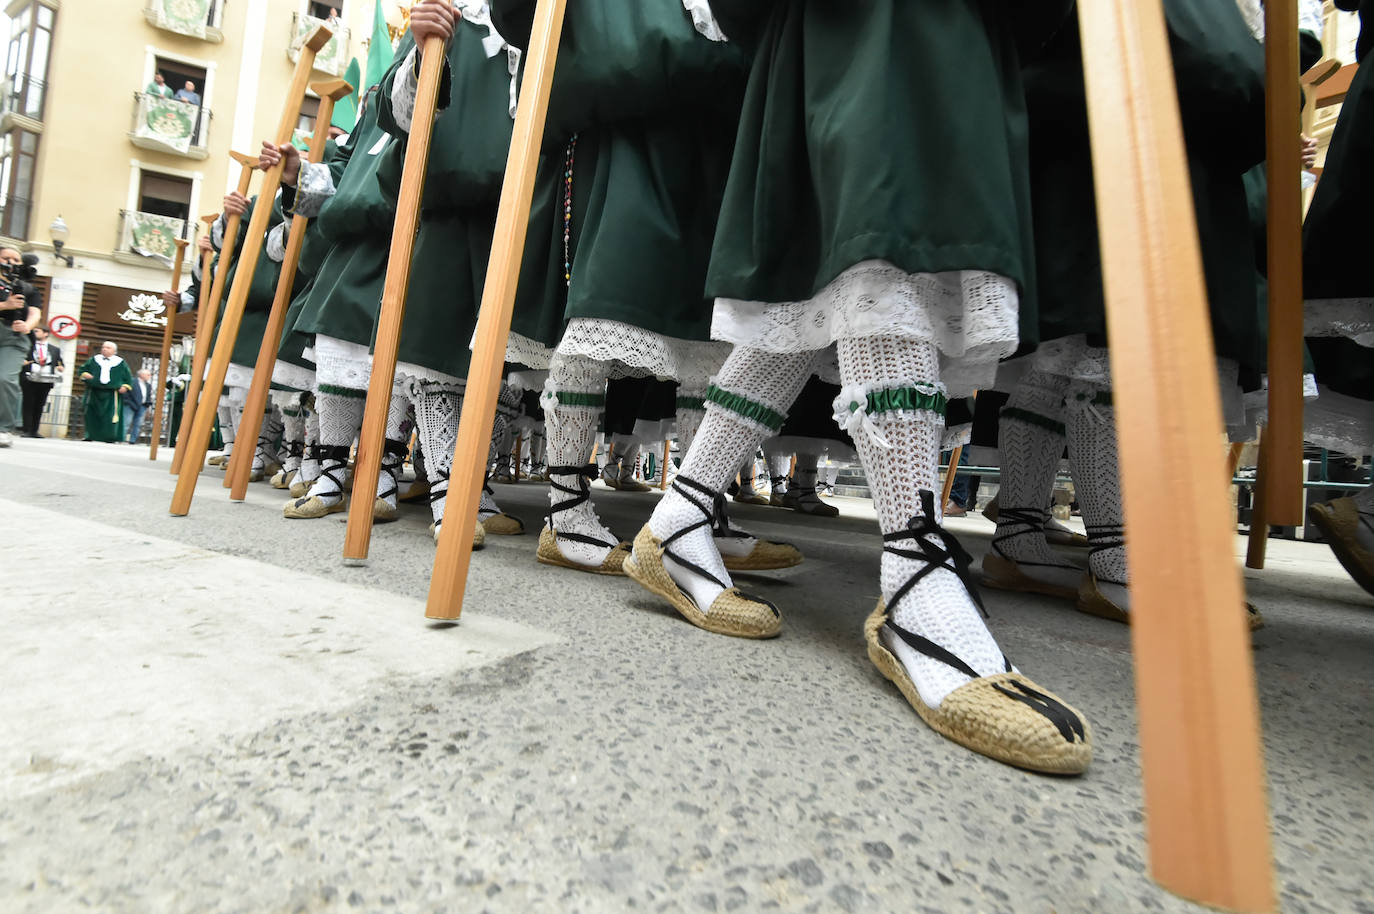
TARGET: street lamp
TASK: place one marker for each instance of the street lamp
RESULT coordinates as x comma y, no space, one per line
59,233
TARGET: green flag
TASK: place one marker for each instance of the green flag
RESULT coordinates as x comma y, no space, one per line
379,52
346,108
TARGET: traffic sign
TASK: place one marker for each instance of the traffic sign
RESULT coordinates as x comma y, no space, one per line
64,327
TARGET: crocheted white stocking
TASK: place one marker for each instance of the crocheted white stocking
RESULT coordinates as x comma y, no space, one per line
900,451
1090,422
1031,438
747,403
341,418
293,436
228,424
272,427
573,400
691,410
310,464
437,407
398,426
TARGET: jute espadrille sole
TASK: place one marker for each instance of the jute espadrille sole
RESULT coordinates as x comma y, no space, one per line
503,525
979,717
1066,538
731,613
417,491
548,554
765,556
1003,574
217,461
299,488
1094,602
312,507
479,535
1339,522
384,513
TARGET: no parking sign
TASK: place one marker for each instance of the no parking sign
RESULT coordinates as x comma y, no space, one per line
64,327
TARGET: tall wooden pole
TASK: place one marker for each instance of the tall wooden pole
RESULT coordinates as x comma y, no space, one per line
199,437
1283,100
367,464
449,579
1205,807
251,424
164,366
209,313
950,473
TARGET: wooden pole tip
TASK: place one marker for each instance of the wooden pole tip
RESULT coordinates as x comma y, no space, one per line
318,38
244,159
332,88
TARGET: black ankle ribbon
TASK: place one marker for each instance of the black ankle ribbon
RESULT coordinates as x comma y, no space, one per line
583,493
935,556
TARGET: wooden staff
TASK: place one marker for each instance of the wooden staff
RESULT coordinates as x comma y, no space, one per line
208,314
449,578
1258,542
367,465
663,474
243,278
166,352
1283,101
950,473
1205,808
251,425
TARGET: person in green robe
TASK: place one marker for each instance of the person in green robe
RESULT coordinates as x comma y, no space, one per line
1339,310
106,376
877,212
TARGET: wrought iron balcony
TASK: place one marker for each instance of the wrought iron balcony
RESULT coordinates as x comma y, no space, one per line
165,124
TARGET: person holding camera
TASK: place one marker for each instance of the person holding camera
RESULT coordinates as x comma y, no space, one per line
42,369
17,320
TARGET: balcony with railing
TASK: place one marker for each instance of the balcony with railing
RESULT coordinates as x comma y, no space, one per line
201,19
147,238
22,99
165,124
333,57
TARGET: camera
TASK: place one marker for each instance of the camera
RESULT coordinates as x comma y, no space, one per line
17,276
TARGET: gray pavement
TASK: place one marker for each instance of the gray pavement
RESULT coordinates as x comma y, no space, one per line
212,713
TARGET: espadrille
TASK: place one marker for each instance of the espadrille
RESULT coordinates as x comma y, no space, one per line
1056,534
1005,574
218,460
383,512
762,555
417,491
479,534
732,612
299,487
1094,602
310,507
1339,522
284,478
548,552
1004,716
503,525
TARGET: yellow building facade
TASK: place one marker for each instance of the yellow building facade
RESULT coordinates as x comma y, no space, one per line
90,137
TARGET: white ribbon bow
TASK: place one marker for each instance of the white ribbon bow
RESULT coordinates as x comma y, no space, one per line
851,414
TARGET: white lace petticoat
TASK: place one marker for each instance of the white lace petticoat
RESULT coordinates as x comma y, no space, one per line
294,376
971,317
631,351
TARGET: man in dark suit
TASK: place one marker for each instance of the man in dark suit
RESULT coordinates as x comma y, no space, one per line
137,400
42,369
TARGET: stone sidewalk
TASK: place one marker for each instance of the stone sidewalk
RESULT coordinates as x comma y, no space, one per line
212,713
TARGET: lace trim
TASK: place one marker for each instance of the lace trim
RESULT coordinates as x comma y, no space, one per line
276,243
238,376
704,20
856,406
314,188
524,351
637,351
1348,317
289,375
404,87
757,413
342,363
970,316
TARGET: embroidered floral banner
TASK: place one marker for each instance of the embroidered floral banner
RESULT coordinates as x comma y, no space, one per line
332,58
170,122
188,17
152,236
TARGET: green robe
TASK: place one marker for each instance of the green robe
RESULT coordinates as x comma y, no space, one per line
467,163
885,130
1220,70
104,415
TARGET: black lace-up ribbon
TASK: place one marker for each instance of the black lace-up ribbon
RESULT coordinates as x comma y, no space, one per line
583,493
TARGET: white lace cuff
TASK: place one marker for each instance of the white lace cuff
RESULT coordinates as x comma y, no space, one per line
314,187
276,243
404,87
704,20
217,233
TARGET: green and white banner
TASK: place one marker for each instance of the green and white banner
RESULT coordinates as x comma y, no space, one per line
332,58
188,17
170,122
152,236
